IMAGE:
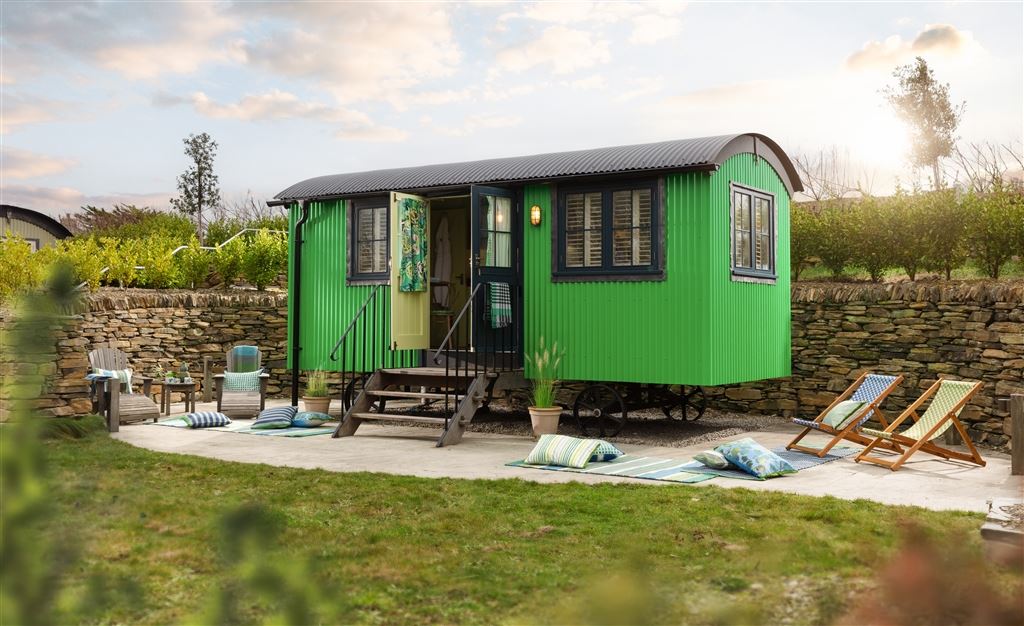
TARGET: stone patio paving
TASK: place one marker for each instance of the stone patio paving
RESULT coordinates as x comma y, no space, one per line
924,481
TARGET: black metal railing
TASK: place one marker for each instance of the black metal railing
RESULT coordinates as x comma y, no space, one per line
485,343
365,345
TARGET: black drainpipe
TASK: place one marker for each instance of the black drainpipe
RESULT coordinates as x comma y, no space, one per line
296,289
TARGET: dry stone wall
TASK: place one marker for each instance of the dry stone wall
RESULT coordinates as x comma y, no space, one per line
970,330
158,329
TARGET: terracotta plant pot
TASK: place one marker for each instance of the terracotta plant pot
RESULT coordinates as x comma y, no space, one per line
316,405
545,420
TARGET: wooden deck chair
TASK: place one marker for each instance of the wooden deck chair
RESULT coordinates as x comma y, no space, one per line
871,389
242,359
116,400
948,398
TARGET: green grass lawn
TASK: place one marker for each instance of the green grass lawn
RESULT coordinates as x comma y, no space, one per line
164,539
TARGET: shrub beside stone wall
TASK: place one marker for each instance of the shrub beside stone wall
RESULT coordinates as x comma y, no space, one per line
970,330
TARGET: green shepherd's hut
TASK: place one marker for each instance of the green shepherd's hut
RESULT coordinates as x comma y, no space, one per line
660,268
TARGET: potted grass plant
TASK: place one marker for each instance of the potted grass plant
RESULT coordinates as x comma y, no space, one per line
317,398
544,414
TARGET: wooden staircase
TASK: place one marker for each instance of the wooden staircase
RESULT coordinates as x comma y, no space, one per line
467,390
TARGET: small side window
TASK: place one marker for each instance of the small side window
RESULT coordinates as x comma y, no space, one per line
368,258
753,228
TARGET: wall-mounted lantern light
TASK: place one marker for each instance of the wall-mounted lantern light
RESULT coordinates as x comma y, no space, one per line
535,215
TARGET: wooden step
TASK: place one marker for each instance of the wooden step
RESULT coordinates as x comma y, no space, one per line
435,371
392,417
416,395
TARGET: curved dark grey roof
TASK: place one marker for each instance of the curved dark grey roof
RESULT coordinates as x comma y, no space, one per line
41,220
700,153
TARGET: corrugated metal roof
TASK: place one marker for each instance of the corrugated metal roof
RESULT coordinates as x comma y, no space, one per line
665,155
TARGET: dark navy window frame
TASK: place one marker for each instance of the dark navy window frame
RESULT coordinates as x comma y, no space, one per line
750,273
607,270
354,275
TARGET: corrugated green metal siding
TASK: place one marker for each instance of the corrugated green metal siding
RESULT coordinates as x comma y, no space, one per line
697,326
750,329
328,304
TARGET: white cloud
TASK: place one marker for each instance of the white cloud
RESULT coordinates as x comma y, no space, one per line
356,51
475,123
652,28
596,81
17,110
640,87
280,105
940,39
563,50
494,93
20,164
137,40
56,201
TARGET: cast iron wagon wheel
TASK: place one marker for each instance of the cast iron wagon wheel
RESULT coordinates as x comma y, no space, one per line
352,391
599,410
685,405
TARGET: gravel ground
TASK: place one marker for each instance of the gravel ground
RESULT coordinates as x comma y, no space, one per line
648,427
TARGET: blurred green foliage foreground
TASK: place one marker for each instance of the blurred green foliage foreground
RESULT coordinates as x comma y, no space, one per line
97,531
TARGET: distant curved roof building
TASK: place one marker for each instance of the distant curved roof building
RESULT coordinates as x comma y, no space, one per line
34,227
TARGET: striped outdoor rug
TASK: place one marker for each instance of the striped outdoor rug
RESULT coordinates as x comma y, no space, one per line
245,429
685,471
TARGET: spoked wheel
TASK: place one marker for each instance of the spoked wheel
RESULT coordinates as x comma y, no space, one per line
352,391
685,404
599,411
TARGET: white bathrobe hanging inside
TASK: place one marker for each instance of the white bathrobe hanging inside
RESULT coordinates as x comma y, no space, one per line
442,262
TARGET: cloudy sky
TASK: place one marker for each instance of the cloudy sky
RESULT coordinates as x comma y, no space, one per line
96,97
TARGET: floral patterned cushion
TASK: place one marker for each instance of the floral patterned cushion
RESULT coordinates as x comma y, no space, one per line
755,459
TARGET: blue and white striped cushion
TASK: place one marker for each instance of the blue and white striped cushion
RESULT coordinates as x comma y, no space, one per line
279,411
206,419
272,421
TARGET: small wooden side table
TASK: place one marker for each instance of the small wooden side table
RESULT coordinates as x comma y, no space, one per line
189,389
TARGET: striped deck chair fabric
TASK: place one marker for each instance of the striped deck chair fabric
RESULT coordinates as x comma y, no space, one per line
244,359
868,391
949,394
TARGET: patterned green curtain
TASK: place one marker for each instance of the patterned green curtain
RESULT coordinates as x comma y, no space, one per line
412,269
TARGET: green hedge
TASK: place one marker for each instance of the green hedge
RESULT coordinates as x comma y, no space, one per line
259,257
936,231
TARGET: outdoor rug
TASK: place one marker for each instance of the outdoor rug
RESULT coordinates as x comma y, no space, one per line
688,471
247,429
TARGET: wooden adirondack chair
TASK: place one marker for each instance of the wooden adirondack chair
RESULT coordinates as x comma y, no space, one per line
114,400
242,358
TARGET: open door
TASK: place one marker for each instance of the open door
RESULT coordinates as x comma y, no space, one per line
495,259
410,272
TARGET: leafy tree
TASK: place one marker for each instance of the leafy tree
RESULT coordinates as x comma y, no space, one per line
909,231
85,257
872,222
194,264
159,270
995,227
19,271
121,259
198,187
803,226
265,257
833,243
947,223
924,104
127,221
227,261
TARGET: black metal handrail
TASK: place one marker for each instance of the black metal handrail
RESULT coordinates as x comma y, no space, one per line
365,346
492,352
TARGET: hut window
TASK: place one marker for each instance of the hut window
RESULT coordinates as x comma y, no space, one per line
608,231
753,232
369,256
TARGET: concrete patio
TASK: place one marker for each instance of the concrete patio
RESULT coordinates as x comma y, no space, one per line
925,481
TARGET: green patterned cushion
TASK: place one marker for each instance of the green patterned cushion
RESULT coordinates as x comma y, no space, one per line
605,452
755,459
273,421
562,451
842,413
713,459
242,381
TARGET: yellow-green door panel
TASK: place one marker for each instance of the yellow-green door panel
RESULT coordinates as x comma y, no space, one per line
410,272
